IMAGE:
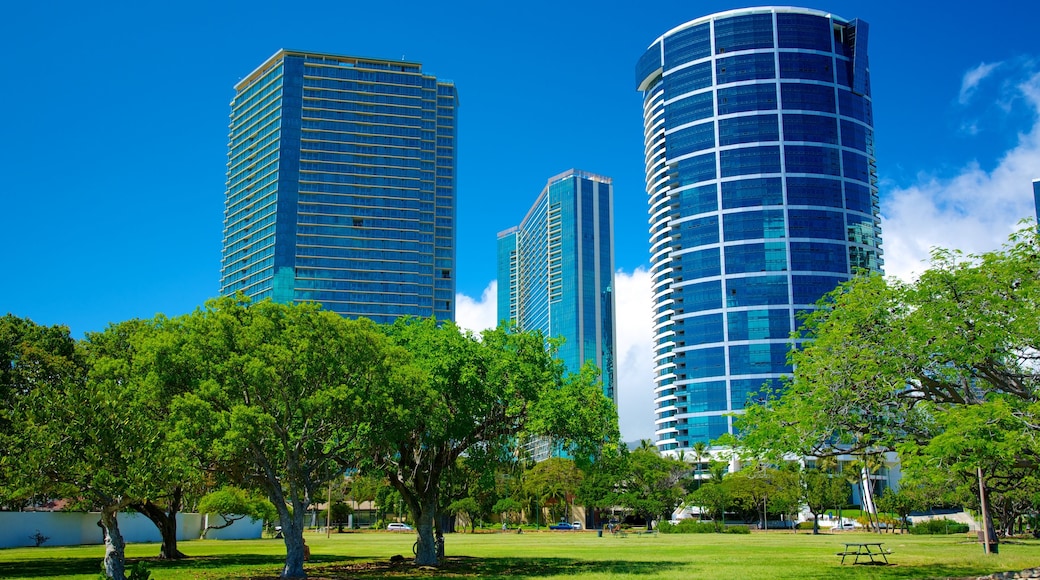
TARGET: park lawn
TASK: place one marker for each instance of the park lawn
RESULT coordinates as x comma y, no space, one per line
549,555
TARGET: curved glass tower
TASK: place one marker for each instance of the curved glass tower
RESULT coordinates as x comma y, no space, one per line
762,189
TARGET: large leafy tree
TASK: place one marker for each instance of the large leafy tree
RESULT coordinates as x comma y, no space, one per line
554,482
460,392
885,361
94,436
32,357
283,392
654,484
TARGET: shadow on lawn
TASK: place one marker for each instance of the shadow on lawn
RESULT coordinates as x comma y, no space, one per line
92,565
468,567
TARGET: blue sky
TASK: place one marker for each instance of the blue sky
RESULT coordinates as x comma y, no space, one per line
113,147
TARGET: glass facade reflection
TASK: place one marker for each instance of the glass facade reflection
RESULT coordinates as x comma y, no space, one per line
762,188
556,274
341,186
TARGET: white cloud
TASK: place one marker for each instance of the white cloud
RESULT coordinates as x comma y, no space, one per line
479,314
635,383
973,211
972,78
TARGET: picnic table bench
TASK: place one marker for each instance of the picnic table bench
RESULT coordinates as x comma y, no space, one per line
870,550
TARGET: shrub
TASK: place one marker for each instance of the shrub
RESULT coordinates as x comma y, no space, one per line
687,526
736,530
941,526
804,525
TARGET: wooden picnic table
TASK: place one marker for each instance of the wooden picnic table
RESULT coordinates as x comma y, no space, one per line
870,550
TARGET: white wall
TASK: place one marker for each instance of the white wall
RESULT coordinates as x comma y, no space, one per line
76,528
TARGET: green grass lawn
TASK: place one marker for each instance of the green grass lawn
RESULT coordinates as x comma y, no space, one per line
547,555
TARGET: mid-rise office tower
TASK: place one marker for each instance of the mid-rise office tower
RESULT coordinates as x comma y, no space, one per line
762,188
556,273
341,186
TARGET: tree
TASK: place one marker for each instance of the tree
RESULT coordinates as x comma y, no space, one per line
822,490
714,499
509,508
458,392
468,508
285,391
555,482
32,357
884,361
653,484
233,504
901,503
93,435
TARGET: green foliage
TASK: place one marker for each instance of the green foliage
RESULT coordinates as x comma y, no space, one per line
653,484
554,483
737,530
687,526
229,502
939,526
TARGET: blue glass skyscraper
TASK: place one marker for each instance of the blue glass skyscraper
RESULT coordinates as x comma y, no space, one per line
762,188
556,270
341,186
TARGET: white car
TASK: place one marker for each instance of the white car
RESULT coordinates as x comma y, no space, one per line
398,527
845,526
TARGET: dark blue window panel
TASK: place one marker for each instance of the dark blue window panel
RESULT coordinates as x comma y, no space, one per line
694,169
807,97
812,67
761,358
706,362
803,31
762,191
687,80
757,97
813,191
756,291
856,166
701,199
758,324
753,225
749,161
703,329
855,106
820,224
747,258
809,289
746,67
858,198
812,128
743,33
843,72
811,159
689,109
648,63
859,34
700,232
857,136
709,396
751,391
702,296
687,45
701,264
748,129
691,139
819,257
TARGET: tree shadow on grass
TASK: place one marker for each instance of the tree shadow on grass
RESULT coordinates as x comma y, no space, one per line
226,564
495,568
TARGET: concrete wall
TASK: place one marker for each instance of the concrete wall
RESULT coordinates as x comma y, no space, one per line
76,528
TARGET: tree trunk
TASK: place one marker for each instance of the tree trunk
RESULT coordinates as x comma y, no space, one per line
166,522
292,534
115,565
989,535
426,554
815,524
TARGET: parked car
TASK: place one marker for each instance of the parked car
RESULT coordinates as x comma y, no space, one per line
563,526
576,525
398,527
845,526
